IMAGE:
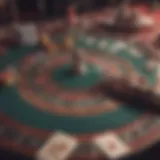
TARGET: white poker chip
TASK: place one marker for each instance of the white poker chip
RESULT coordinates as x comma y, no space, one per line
120,45
151,64
135,52
91,40
103,44
117,47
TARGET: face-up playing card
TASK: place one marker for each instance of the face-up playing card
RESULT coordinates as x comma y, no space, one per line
29,34
145,21
59,147
112,146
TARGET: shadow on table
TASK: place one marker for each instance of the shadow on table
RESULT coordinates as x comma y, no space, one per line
122,91
152,153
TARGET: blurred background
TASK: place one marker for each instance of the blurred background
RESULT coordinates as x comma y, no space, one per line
46,9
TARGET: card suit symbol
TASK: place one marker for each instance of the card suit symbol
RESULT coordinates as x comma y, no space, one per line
112,146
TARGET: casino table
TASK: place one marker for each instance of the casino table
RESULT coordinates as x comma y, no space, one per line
46,99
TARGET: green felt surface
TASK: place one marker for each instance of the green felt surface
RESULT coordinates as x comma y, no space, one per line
63,77
15,107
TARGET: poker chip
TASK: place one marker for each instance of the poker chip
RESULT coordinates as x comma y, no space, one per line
102,44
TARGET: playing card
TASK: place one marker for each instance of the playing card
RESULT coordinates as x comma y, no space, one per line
29,34
112,146
146,21
58,147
